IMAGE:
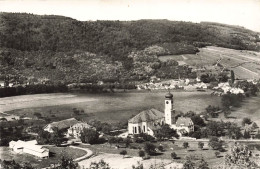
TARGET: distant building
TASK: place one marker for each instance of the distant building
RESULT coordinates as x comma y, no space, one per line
76,129
61,125
29,147
149,121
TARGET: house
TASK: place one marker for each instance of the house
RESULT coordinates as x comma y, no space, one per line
29,147
150,121
77,128
61,125
184,125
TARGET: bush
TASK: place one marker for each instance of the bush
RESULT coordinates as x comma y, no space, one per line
217,153
141,153
160,148
123,152
173,155
89,136
200,145
185,145
246,121
149,148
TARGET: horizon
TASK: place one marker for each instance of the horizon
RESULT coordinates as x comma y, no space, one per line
243,13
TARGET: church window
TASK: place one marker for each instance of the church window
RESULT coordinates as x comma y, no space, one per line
144,128
135,130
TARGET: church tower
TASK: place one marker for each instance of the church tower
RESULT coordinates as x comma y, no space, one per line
169,110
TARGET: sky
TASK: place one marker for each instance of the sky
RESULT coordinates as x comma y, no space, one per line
244,13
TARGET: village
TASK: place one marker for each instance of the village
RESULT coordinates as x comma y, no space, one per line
149,134
129,84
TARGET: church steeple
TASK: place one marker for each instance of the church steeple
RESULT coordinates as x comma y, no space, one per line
169,109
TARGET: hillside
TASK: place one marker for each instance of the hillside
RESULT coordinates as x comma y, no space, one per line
64,49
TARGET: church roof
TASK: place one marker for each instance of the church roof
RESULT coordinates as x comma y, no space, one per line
184,121
169,95
147,115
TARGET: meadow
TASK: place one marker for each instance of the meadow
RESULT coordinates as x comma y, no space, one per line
230,58
109,107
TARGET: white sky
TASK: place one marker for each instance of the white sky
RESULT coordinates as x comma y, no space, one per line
235,12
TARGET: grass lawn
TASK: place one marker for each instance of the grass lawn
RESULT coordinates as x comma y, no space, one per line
55,155
115,107
169,147
207,153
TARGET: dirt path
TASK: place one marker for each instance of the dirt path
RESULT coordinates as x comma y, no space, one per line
88,155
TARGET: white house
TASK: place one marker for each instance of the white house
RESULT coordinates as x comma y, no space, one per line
29,147
77,128
183,125
64,124
149,121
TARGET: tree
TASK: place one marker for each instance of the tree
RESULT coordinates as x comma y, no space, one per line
246,120
188,164
44,137
185,144
215,143
139,166
217,153
254,125
89,136
232,76
160,148
200,145
246,134
233,131
123,152
141,153
240,156
99,165
149,148
202,164
67,163
173,155
165,132
56,136
214,128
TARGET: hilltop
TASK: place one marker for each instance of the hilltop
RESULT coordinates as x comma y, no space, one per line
63,49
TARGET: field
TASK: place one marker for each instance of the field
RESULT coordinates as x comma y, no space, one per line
110,154
250,108
55,155
245,64
110,107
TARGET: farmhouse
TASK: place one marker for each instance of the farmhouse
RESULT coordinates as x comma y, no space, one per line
61,125
29,147
149,121
76,129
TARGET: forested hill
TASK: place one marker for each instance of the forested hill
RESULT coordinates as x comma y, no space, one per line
54,40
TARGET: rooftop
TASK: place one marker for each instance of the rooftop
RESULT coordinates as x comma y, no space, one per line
184,121
64,123
147,115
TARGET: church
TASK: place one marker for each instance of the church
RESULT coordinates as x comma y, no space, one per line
149,121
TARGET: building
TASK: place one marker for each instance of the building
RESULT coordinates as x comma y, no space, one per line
149,121
184,125
29,147
61,125
146,122
76,129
